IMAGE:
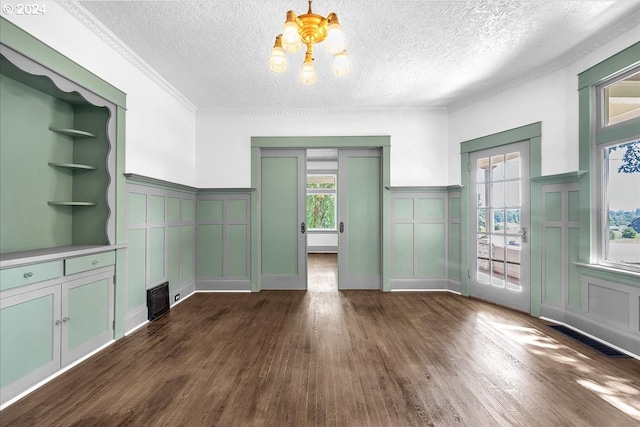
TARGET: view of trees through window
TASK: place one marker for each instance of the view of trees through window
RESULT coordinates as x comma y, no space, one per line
622,194
321,202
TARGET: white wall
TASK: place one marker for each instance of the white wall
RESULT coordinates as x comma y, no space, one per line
418,139
551,99
160,130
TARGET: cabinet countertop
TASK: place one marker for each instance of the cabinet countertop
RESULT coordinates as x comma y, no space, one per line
15,259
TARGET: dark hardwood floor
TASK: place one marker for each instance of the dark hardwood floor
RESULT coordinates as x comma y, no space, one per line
329,358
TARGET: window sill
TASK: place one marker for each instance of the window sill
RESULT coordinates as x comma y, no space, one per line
322,231
627,277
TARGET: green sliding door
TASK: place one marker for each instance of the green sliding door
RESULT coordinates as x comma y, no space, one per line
282,203
359,226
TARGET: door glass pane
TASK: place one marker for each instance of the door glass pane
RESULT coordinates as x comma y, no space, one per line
497,194
482,221
513,165
498,219
482,196
483,259
482,167
498,260
497,168
513,193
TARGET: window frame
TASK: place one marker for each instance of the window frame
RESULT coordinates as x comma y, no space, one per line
326,191
603,137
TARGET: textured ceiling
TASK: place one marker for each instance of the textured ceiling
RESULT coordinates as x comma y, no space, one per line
404,54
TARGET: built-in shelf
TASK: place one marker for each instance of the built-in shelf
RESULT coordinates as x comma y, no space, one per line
72,203
73,133
74,166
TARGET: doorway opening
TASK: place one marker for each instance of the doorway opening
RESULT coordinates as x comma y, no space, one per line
322,271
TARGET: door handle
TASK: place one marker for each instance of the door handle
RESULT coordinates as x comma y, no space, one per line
523,234
302,228
341,227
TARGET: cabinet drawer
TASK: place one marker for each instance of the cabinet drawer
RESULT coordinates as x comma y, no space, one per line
88,262
28,274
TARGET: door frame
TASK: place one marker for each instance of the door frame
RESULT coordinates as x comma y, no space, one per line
382,142
533,134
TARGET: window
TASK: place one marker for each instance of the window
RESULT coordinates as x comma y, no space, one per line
620,99
321,202
621,204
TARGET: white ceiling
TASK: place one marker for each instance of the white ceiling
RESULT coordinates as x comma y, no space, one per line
404,54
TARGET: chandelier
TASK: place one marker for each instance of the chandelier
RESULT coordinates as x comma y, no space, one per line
309,29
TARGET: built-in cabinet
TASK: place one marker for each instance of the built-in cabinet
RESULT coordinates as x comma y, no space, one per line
61,164
52,314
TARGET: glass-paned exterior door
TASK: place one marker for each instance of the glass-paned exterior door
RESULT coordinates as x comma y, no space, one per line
500,222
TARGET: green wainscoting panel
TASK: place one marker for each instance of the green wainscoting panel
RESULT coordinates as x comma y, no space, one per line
403,209
136,264
173,209
454,252
88,312
156,254
553,206
430,208
137,208
553,264
431,250
173,257
363,226
279,249
574,285
236,210
403,249
454,208
187,210
26,183
574,206
187,244
156,209
26,338
209,210
237,249
210,250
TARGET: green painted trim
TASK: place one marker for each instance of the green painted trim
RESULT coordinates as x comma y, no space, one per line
435,189
133,178
120,290
586,98
610,66
320,142
502,138
464,224
255,224
620,131
535,226
561,178
454,188
18,39
609,274
386,218
204,191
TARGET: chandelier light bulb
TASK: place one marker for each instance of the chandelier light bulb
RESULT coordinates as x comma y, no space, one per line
308,75
341,64
278,60
334,42
291,40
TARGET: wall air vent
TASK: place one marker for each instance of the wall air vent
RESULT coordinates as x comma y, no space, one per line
158,301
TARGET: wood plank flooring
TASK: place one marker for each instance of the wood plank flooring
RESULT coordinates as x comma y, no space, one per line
328,358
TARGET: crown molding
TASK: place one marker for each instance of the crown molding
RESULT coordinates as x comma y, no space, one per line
579,51
306,111
98,28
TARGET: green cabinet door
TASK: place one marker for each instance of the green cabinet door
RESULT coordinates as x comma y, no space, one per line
359,227
282,204
30,330
87,315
